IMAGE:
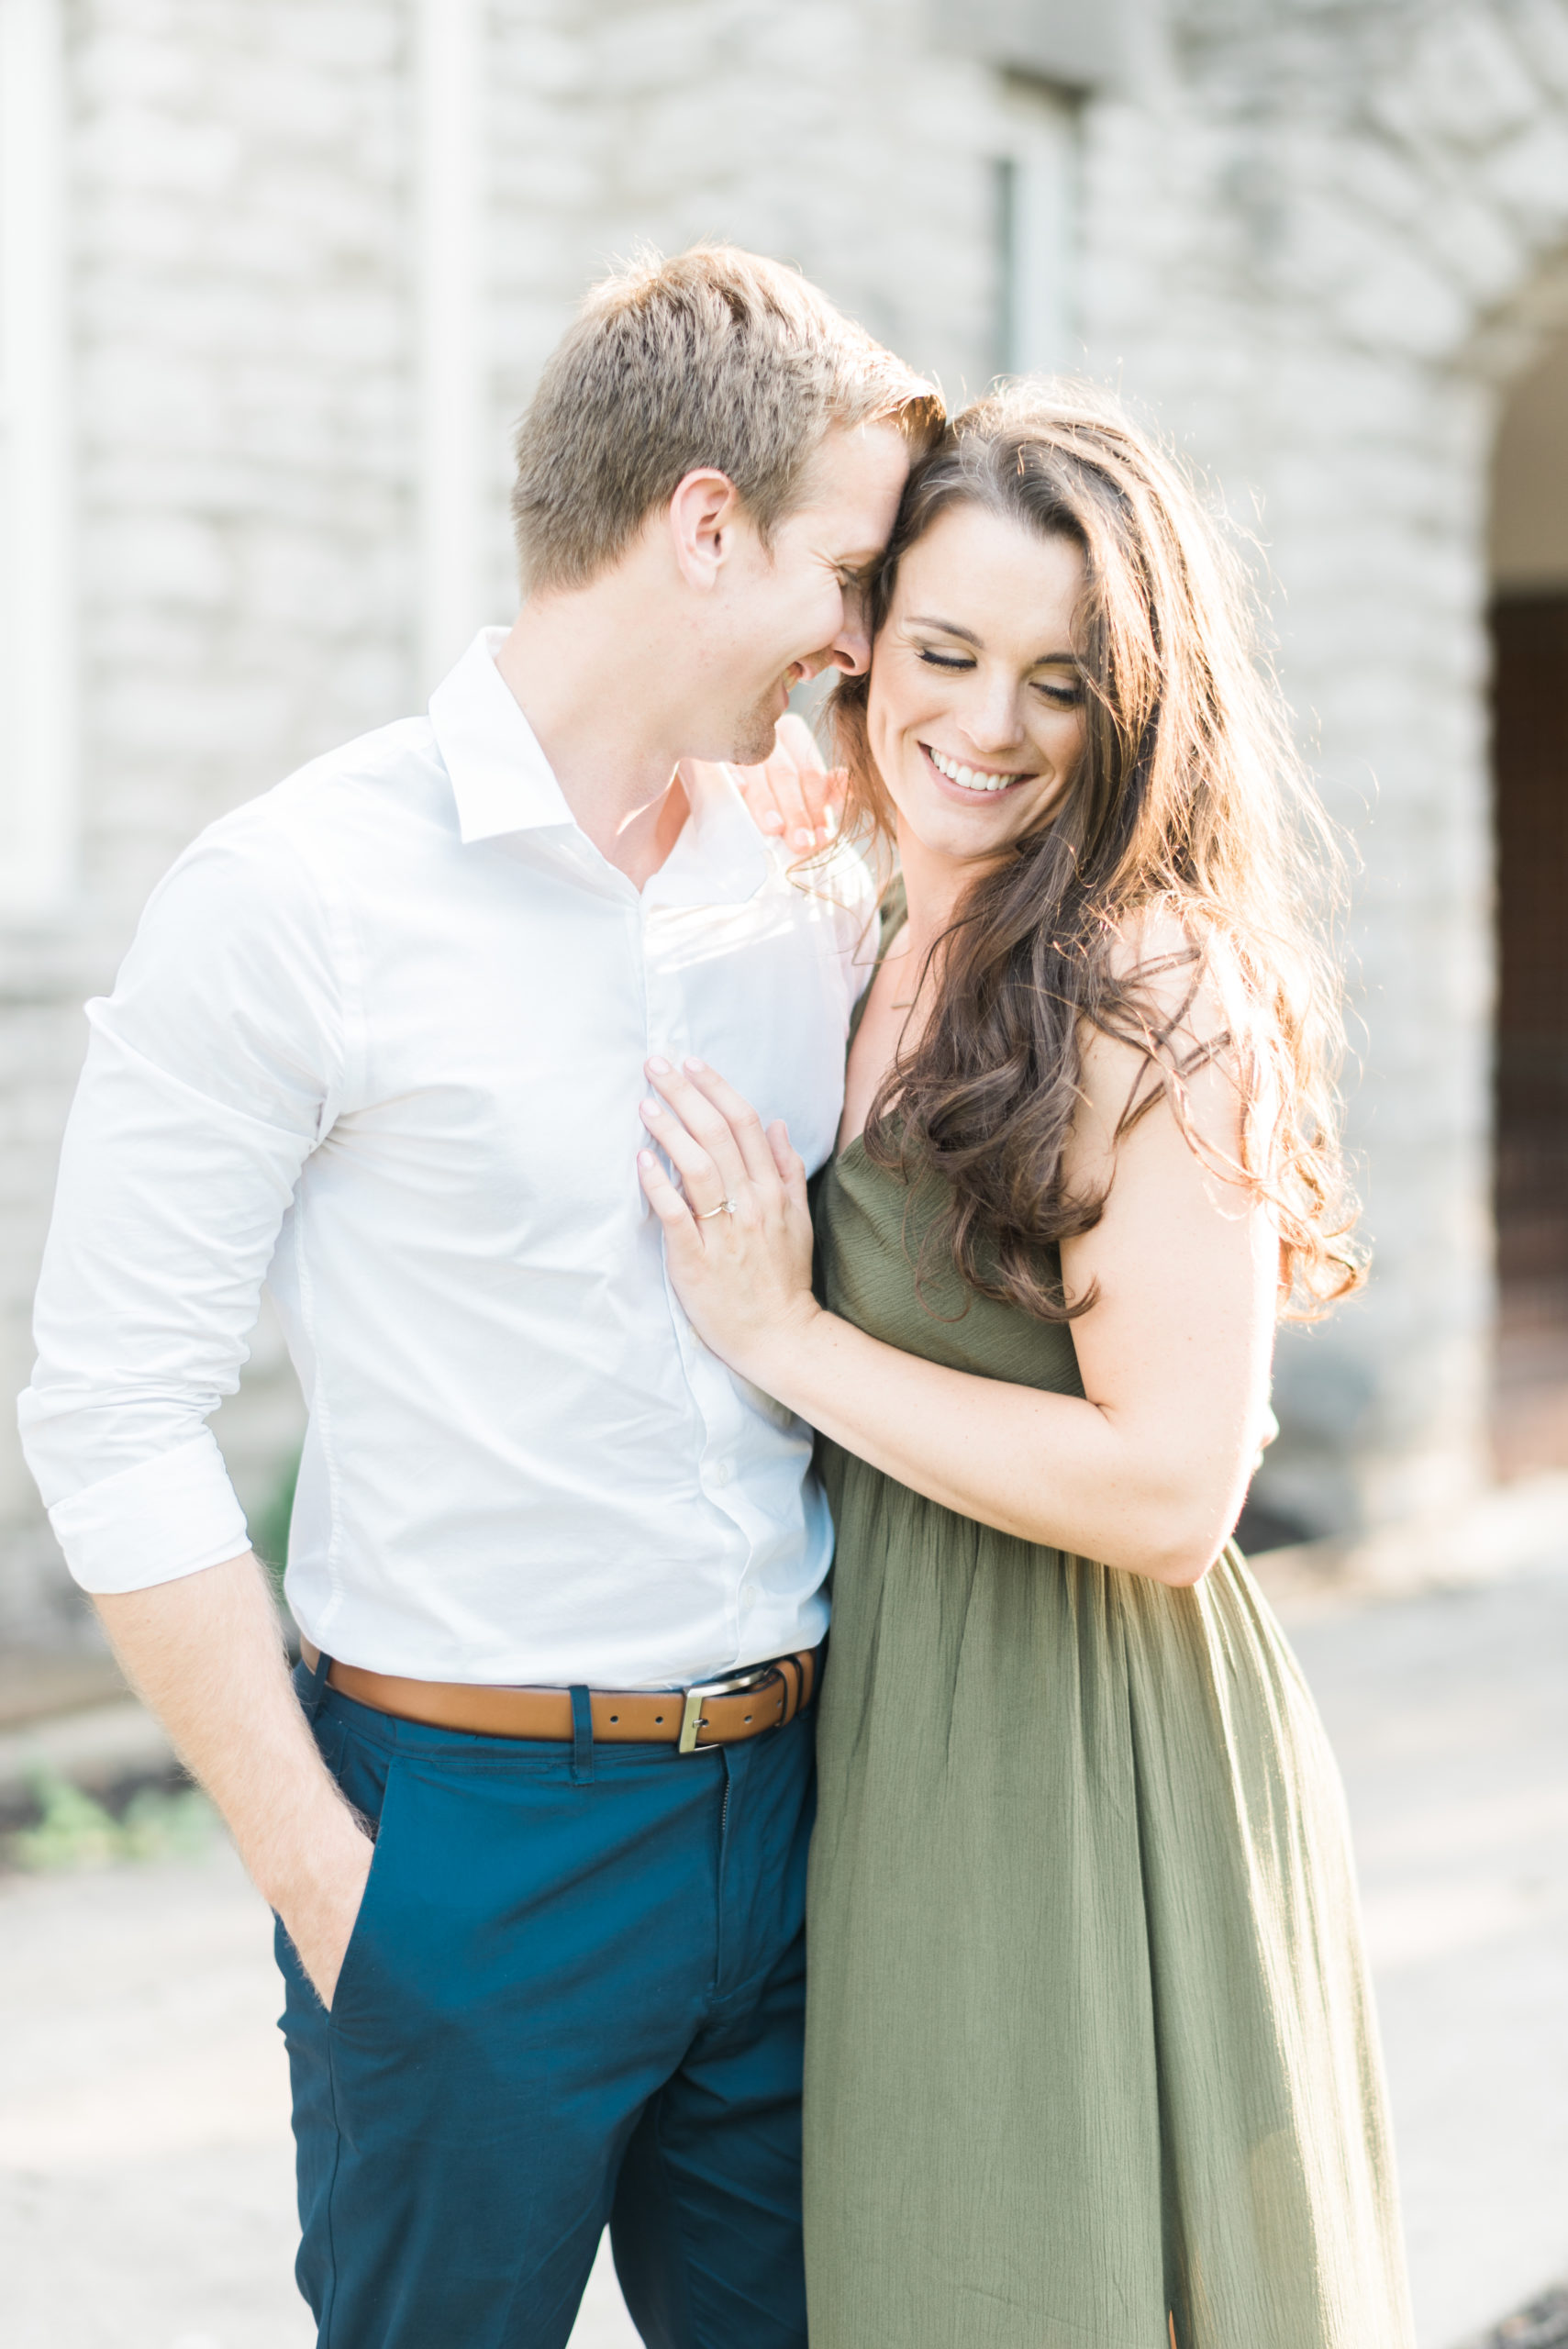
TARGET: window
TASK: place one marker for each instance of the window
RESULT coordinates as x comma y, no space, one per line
449,70
1036,197
38,680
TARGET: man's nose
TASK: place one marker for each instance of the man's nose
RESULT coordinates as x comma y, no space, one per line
852,652
851,648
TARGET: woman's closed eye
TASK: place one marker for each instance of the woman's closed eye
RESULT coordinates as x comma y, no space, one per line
1059,696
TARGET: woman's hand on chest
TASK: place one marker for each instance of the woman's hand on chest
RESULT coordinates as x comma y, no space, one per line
738,1232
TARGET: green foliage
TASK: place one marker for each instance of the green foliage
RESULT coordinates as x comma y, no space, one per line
270,1535
73,1830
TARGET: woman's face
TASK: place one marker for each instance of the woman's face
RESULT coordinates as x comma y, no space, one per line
975,713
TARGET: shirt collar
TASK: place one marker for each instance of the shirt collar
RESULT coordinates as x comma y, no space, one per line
720,857
502,782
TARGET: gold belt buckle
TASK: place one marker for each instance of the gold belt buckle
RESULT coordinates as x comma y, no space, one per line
731,1684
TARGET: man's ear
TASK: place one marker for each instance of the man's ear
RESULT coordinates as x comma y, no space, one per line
703,517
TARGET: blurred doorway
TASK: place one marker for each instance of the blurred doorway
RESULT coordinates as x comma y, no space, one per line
1529,735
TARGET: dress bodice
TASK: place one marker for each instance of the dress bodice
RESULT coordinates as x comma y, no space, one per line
883,1266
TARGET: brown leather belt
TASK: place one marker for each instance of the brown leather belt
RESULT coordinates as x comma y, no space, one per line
712,1712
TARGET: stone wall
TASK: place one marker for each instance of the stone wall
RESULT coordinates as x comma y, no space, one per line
1358,214
1314,240
238,202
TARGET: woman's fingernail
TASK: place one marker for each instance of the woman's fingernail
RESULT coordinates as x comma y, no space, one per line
657,1067
649,1109
698,1068
802,840
772,821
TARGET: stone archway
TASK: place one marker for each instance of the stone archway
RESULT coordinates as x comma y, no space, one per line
1363,219
1529,568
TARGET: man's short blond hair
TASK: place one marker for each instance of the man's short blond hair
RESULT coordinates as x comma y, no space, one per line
716,357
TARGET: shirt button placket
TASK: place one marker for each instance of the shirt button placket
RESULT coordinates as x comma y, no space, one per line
668,1032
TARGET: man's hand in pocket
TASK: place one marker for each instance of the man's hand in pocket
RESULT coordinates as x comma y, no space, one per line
320,1905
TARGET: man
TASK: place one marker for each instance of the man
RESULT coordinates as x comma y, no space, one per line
380,1040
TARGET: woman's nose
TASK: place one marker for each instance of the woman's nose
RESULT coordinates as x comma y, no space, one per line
994,725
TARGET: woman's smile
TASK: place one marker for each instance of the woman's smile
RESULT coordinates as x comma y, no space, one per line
973,781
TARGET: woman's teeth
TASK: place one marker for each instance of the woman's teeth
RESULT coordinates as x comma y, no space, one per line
966,777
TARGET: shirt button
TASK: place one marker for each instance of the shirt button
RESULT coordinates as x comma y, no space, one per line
748,1600
719,1473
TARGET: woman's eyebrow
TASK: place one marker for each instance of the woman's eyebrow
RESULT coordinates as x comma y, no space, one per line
944,628
952,628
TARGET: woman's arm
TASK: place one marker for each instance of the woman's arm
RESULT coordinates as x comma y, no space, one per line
1149,1471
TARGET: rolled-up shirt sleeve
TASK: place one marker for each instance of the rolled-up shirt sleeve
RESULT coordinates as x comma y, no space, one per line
212,1071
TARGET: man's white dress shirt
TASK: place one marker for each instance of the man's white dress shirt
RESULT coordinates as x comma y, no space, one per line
379,1042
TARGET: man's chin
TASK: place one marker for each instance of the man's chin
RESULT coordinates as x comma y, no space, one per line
755,729
755,740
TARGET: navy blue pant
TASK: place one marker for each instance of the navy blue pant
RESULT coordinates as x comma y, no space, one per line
574,1994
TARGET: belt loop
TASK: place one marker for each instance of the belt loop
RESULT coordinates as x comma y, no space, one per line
582,1738
316,1688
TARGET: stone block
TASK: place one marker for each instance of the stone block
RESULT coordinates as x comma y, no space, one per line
1464,83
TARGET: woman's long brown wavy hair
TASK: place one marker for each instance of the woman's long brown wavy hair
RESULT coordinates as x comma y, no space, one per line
1189,801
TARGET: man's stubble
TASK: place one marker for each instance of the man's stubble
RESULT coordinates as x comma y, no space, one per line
754,732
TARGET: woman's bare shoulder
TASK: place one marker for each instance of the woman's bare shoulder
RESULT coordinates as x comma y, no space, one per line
1177,1025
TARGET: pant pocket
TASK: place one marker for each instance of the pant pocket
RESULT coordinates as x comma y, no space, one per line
411,2035
359,1957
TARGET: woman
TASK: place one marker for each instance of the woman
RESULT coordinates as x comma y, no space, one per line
1091,2063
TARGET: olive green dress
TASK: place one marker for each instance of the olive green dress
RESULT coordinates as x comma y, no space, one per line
1089,2035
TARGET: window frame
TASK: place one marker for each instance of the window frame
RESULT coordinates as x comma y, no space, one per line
39,676
1037,166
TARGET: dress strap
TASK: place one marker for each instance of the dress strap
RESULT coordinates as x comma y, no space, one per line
892,912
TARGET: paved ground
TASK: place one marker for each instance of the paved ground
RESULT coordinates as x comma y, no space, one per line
144,2160
1450,1718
